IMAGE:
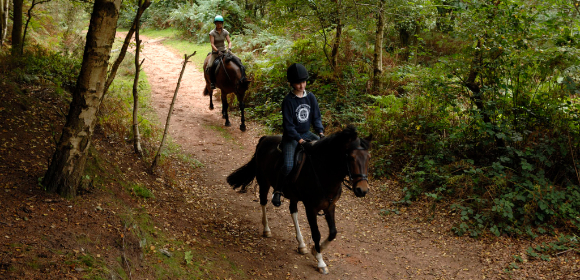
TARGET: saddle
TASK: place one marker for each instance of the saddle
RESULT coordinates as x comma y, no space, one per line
299,159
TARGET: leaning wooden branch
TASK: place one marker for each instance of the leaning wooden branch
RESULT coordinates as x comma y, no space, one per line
156,159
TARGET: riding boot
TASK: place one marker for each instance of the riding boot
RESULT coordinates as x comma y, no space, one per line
212,70
278,190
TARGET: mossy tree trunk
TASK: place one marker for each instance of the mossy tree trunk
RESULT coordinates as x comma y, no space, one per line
68,161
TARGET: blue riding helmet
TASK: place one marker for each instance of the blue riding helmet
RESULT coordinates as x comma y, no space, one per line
218,18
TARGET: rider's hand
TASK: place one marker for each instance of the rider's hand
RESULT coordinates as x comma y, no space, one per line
321,135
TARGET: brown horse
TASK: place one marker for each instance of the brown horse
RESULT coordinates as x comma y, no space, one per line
228,80
318,185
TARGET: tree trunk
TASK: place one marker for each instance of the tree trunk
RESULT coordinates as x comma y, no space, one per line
136,136
17,27
4,14
378,59
68,162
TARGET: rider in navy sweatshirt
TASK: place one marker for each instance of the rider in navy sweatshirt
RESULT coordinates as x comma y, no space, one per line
299,111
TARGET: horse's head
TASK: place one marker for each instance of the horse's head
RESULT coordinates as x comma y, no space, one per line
346,143
357,163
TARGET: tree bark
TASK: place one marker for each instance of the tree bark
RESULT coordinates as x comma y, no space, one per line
68,161
136,136
378,57
17,26
4,14
156,159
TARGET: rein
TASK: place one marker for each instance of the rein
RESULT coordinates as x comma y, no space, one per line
224,66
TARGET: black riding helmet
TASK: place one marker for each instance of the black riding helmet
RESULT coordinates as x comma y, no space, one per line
296,73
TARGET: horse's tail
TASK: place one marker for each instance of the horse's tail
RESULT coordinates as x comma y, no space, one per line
244,175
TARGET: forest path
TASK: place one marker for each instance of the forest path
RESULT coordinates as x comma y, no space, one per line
368,245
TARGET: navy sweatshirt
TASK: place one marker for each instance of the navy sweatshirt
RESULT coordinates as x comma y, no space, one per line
298,114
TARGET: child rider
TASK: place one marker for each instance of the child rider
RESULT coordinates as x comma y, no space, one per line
300,111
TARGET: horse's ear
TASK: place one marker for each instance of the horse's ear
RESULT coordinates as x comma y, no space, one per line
369,139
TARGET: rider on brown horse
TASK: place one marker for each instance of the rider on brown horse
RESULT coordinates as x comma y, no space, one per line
217,37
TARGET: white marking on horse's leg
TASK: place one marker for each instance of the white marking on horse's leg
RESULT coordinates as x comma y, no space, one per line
301,245
267,232
321,265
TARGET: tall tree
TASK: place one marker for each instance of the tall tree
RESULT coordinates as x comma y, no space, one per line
68,161
17,26
4,13
378,57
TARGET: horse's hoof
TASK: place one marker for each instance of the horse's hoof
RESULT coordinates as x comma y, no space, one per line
243,127
267,234
303,251
323,270
228,124
211,107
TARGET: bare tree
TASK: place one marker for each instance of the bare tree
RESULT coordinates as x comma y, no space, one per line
156,159
29,13
136,135
4,14
67,166
143,5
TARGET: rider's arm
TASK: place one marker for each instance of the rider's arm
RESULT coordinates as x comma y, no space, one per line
211,39
288,120
316,116
229,41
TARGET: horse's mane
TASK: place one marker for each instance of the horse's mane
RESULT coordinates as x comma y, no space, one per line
337,140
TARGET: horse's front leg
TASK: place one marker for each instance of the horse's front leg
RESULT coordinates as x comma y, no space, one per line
294,212
225,108
329,215
264,189
242,106
316,249
210,93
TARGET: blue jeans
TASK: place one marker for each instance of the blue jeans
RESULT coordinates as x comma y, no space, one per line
289,148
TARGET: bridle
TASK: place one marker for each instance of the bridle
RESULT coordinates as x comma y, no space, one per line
351,181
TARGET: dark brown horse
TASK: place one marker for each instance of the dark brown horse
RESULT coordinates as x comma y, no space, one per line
319,184
228,80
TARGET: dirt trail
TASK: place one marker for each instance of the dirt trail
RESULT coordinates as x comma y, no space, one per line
368,246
